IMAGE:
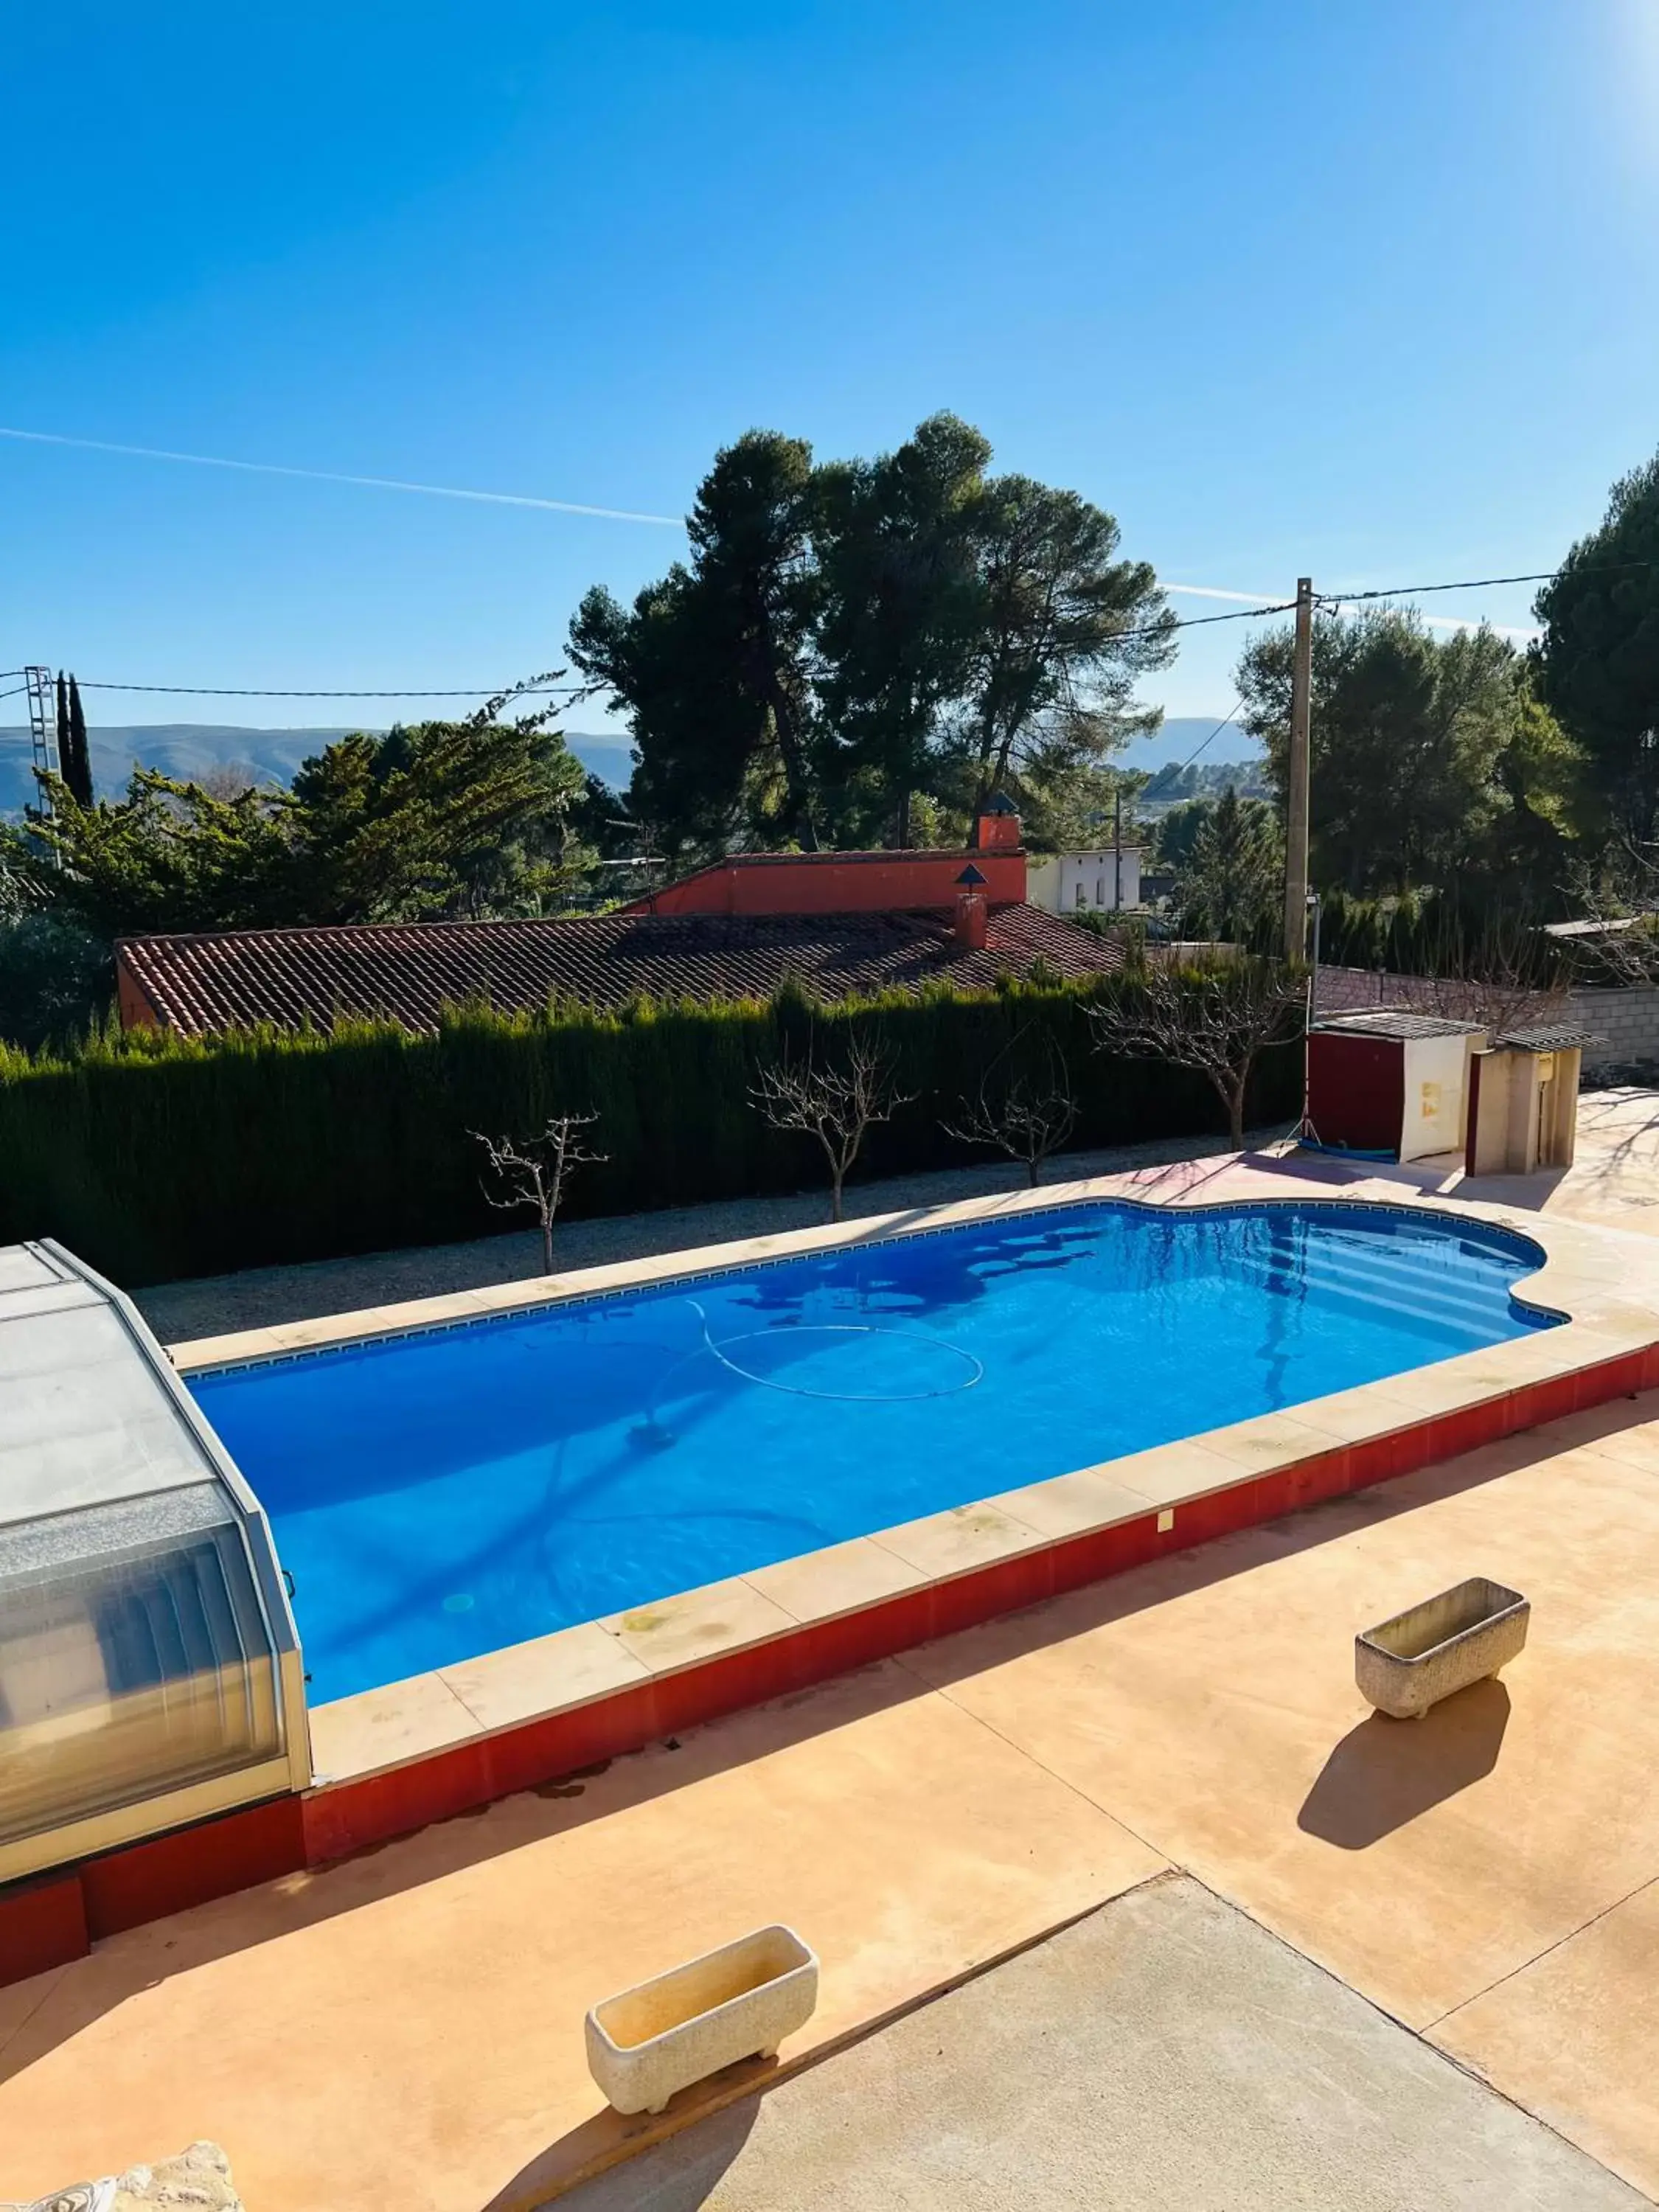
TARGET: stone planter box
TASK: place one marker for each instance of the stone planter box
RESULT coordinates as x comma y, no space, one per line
1406,1664
736,2002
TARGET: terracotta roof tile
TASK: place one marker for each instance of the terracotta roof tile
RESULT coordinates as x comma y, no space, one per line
410,971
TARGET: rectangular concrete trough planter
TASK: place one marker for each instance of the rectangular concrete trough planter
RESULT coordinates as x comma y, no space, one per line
736,2002
1406,1664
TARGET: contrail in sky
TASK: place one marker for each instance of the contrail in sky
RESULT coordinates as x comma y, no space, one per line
557,507
333,476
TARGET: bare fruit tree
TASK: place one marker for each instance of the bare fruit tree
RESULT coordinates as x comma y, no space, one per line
1507,976
834,1103
1214,1020
1618,940
1500,1002
1027,1118
532,1172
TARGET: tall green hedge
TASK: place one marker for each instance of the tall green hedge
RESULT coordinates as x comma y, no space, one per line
154,1156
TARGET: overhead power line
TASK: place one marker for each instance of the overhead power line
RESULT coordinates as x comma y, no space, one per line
1223,724
524,691
1337,599
250,691
1469,583
1480,583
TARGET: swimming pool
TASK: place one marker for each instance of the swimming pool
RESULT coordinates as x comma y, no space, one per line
438,1494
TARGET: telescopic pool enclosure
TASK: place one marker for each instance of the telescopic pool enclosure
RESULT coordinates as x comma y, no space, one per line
150,1670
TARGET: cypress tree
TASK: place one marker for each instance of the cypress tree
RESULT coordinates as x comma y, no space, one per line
66,742
77,770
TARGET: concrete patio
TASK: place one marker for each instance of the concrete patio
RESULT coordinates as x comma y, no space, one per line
1188,2063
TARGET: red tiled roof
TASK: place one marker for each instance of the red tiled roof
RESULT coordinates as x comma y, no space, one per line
410,971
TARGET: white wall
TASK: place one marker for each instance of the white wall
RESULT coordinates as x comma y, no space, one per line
1085,883
1436,1075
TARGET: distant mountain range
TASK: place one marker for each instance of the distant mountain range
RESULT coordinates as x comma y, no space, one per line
1180,736
192,750
187,750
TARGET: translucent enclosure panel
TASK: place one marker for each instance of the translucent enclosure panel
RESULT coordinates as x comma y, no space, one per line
134,1657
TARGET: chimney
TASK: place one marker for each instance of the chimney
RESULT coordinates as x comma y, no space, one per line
972,913
997,829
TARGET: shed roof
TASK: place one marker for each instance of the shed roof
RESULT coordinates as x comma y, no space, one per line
1398,1022
1563,1038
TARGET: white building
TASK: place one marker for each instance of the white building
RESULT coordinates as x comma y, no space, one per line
1085,883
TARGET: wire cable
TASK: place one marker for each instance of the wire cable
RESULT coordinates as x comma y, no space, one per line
1334,599
235,691
1198,621
1477,583
1222,725
572,690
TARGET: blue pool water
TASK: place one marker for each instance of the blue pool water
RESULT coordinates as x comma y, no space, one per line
438,1495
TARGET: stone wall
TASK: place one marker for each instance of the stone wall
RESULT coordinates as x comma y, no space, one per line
1627,1019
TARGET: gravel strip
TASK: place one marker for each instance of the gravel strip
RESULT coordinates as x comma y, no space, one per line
259,1297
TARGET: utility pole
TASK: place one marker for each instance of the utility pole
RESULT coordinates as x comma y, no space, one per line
1117,849
1296,821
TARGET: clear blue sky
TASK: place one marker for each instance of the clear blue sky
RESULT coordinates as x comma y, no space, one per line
1371,292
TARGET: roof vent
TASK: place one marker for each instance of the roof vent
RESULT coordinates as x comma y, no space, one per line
972,914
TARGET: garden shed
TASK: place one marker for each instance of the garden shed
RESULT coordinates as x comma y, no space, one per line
1524,1100
1391,1083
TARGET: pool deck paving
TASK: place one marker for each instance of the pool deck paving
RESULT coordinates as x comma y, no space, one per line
405,2026
1184,2061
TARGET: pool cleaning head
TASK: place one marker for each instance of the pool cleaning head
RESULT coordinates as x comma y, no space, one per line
963,1369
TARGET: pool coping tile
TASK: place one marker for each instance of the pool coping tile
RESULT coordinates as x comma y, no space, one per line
671,1633
959,1540
391,1726
544,1675
1072,1504
1355,1416
1268,1442
1170,1474
841,1578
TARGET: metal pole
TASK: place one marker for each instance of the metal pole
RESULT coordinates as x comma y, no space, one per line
1305,1131
1296,795
1117,849
1313,970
